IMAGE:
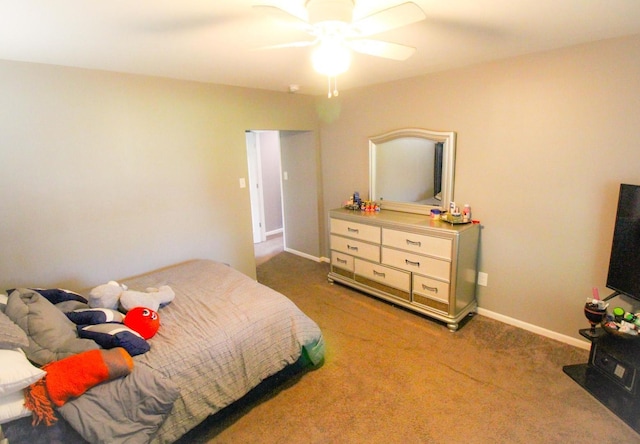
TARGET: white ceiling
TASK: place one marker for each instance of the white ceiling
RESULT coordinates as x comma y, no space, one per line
216,40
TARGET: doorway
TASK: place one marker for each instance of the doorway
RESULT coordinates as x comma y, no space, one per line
284,179
264,163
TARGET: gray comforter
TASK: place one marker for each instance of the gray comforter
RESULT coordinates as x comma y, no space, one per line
222,335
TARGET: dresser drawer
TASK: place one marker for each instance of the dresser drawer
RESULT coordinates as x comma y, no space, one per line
342,260
416,263
431,288
355,230
385,275
417,243
355,248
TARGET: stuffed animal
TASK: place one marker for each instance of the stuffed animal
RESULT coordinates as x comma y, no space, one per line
114,295
143,320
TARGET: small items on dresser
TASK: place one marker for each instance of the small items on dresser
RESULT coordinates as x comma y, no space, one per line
466,213
356,203
455,216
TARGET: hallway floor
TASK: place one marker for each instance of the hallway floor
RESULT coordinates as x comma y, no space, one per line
269,248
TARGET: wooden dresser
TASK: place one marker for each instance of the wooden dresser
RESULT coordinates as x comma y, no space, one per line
409,259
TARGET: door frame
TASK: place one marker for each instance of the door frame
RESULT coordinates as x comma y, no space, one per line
255,187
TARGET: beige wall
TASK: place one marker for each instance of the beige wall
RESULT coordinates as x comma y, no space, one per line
543,142
104,175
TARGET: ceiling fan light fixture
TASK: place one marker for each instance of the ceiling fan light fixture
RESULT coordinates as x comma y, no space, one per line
331,58
336,34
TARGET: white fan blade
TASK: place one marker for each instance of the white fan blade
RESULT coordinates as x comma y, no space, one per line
281,15
391,18
302,44
378,48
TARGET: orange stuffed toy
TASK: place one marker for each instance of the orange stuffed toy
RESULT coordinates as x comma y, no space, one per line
143,320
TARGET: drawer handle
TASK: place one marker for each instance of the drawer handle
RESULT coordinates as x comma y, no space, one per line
341,261
414,243
433,289
349,247
408,262
353,230
376,273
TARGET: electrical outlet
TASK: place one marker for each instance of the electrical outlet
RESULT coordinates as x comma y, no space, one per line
483,278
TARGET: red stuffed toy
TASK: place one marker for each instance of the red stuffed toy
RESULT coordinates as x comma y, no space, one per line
143,320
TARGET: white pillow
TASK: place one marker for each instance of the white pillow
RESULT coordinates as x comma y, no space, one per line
12,407
16,371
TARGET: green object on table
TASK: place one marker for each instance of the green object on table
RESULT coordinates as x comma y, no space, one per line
618,313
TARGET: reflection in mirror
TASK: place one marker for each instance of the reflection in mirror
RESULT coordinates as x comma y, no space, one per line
416,159
412,169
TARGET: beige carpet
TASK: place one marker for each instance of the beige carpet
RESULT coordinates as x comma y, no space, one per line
264,251
391,376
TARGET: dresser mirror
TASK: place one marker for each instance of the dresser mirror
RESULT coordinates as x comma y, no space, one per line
412,169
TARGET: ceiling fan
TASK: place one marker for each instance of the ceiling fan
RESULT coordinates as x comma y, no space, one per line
335,33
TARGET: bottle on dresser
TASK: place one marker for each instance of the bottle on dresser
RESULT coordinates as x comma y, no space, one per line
466,213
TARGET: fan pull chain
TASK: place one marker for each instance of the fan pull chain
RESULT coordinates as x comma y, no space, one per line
335,87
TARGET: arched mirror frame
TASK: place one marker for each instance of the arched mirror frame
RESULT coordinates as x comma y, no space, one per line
448,138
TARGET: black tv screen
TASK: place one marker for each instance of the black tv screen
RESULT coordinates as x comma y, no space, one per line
624,264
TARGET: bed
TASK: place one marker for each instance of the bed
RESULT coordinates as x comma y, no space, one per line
221,336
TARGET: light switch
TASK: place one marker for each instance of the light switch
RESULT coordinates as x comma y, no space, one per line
285,175
243,183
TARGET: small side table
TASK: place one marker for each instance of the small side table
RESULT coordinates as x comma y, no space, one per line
612,375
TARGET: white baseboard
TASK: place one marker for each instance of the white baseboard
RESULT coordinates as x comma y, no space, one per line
535,329
272,232
304,255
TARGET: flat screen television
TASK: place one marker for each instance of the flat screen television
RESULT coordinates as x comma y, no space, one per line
624,263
